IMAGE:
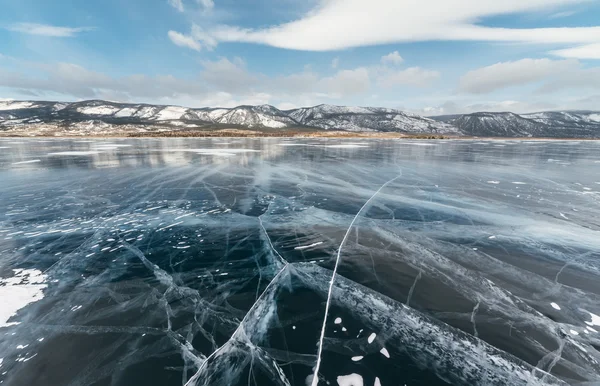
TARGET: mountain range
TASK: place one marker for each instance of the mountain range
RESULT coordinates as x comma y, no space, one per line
98,117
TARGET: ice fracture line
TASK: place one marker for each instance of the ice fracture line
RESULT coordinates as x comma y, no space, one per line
315,379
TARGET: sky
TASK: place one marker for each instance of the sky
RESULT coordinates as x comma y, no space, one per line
430,57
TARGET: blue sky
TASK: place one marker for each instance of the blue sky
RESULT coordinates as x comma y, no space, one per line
427,56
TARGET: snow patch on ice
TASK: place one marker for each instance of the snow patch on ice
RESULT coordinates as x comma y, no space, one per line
555,306
350,380
345,146
595,319
309,246
88,152
16,292
372,338
214,152
33,161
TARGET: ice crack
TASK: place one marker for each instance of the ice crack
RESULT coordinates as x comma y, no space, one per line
412,288
315,379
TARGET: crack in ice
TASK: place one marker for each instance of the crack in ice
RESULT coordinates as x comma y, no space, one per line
412,288
315,379
284,261
194,378
475,309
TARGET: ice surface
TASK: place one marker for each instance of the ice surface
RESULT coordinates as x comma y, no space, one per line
156,262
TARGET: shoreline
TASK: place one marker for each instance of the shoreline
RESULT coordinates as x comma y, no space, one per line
283,134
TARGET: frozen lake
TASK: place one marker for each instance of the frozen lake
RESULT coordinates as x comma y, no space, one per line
210,262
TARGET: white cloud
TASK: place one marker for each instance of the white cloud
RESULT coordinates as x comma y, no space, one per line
177,4
514,106
413,76
347,82
335,63
345,25
394,59
517,73
46,30
207,4
184,41
287,106
219,83
589,51
576,78
229,76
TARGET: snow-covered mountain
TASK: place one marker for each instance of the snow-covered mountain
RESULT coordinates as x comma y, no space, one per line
103,117
16,114
367,119
554,124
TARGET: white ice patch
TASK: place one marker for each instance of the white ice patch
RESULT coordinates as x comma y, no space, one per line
109,146
595,320
357,358
563,215
519,183
346,146
573,332
493,182
555,306
377,382
372,338
215,152
67,153
25,287
384,352
350,380
309,246
338,321
33,161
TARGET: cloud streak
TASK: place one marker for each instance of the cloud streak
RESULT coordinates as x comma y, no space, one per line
341,24
47,30
590,51
517,73
177,4
184,41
